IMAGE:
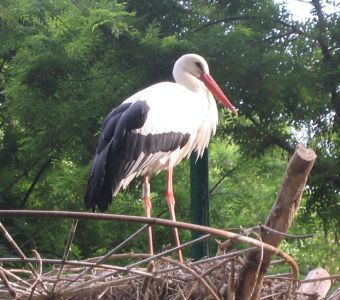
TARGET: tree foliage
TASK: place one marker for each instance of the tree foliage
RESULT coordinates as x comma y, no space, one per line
65,64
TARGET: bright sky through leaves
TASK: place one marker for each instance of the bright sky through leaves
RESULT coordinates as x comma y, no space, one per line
301,10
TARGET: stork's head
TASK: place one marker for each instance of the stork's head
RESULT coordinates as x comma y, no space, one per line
193,65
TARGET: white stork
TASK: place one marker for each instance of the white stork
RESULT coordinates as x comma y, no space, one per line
154,130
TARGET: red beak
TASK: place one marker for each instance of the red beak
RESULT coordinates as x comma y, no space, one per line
217,92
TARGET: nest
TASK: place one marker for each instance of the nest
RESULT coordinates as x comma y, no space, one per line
159,276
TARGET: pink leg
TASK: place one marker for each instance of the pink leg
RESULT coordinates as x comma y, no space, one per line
171,204
147,208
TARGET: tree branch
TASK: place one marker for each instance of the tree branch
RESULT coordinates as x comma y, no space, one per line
227,174
24,173
278,141
224,20
293,27
35,181
329,83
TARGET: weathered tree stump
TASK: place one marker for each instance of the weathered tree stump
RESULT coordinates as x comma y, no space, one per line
279,219
316,289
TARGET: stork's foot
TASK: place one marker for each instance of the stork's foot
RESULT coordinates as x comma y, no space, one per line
178,243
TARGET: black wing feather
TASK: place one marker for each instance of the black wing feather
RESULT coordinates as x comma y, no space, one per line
119,148
107,164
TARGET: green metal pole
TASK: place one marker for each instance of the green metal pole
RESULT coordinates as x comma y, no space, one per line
199,179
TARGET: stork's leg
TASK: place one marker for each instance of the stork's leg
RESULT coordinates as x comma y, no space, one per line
148,208
171,204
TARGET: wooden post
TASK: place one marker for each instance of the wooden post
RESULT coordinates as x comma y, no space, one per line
280,219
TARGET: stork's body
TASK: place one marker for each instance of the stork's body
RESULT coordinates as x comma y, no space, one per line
154,130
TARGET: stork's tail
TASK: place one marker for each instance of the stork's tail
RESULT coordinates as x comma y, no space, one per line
94,196
99,185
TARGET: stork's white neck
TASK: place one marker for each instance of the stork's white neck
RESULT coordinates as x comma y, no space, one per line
189,81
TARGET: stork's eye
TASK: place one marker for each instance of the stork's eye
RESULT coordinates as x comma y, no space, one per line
199,65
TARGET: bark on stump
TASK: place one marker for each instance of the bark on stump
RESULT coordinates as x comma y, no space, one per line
317,289
280,219
335,295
